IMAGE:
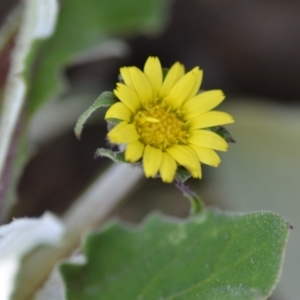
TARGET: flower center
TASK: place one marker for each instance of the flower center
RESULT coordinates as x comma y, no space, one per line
160,127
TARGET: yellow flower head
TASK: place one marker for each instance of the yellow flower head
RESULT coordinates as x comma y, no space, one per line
165,122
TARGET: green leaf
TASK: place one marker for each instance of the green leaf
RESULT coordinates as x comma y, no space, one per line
106,99
84,25
213,255
113,155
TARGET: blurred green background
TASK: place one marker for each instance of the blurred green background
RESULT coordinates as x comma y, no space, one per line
249,49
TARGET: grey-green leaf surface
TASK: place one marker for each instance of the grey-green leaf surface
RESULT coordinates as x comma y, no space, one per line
211,256
263,172
106,99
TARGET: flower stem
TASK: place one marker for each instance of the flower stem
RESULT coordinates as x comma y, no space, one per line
197,205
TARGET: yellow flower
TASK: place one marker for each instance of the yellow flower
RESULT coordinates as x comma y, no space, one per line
163,120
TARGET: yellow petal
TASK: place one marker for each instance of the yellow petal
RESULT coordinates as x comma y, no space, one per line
202,103
127,77
207,139
154,74
167,168
142,85
174,74
119,111
151,160
128,97
197,84
123,133
209,119
186,157
206,156
134,151
183,88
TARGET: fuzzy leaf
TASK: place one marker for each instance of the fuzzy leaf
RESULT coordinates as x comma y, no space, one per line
106,99
213,255
114,156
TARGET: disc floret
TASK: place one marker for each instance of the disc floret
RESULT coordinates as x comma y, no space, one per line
160,127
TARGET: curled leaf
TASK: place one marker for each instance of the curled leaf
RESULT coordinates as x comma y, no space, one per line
106,99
